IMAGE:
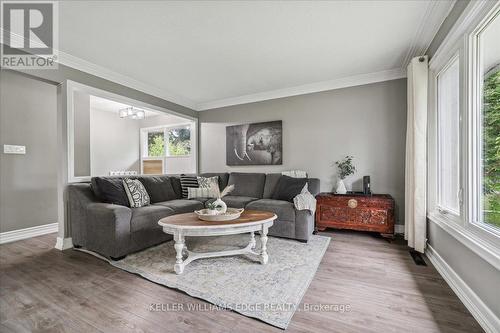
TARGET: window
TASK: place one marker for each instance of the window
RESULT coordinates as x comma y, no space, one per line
179,141
448,138
488,147
167,149
156,144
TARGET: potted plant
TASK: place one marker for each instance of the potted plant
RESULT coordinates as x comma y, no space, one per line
212,208
345,169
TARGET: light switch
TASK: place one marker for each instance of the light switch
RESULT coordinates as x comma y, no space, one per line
13,149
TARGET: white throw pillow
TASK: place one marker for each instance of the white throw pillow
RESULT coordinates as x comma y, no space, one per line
136,193
200,192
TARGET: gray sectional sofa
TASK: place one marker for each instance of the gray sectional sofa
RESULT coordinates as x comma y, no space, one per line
115,230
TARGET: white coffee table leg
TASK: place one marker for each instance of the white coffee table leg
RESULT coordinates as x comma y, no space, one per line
179,249
252,240
263,251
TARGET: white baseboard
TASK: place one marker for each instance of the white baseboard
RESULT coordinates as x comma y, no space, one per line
64,243
483,314
399,228
15,235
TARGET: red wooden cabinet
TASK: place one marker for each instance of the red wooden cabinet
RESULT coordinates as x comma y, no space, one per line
355,211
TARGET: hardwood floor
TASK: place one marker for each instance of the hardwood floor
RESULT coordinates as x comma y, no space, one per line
46,290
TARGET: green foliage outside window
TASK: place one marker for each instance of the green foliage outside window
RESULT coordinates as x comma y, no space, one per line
491,148
156,144
179,141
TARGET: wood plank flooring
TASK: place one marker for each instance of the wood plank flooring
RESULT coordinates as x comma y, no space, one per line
46,290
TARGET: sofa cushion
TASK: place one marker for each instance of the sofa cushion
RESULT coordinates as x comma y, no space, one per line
180,206
284,209
234,201
110,190
176,185
288,188
159,188
247,184
147,217
272,180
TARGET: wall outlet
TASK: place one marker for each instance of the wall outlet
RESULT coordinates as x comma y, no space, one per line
13,149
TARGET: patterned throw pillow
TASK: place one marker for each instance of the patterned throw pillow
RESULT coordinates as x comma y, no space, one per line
208,182
136,193
208,188
187,182
200,192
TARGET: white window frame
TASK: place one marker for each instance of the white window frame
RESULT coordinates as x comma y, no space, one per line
443,210
461,42
165,128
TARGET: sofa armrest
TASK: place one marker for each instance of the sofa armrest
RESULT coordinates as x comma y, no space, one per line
108,229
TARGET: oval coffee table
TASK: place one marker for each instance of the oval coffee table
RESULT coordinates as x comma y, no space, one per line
188,224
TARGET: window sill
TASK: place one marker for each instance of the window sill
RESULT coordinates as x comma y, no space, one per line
472,237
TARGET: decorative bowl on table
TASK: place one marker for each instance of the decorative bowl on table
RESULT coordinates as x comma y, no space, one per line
208,214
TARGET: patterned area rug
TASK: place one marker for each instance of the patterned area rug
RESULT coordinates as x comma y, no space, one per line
270,293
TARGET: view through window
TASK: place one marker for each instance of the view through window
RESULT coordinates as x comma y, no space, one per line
490,145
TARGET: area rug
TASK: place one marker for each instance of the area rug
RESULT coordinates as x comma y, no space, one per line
270,293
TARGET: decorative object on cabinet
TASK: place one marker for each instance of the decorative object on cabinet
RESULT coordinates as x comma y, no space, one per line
345,168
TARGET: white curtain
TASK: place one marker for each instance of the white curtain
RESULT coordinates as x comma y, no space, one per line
416,155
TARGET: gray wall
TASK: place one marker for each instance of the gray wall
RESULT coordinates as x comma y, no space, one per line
367,121
28,183
478,274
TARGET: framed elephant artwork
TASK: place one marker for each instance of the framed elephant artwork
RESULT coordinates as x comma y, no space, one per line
255,144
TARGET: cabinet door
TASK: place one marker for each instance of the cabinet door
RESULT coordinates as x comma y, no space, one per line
370,216
334,214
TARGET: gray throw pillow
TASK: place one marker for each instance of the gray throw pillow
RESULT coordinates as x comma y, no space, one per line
110,190
288,188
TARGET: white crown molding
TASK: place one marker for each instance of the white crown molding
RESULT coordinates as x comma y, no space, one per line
99,71
91,68
15,235
344,82
436,12
479,310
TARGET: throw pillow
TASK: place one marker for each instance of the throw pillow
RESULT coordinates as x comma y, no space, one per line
110,190
288,188
136,193
200,192
159,188
208,182
187,182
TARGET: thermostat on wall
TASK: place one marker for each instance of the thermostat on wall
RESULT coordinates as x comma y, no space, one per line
13,149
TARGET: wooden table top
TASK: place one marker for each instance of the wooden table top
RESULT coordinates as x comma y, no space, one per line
191,220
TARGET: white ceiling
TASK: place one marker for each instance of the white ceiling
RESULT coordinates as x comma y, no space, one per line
213,53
